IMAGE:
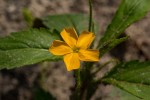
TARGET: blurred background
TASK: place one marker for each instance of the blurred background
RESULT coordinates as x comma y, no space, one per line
19,84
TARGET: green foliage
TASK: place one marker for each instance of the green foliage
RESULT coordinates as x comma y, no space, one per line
28,17
59,22
110,44
128,12
132,77
121,95
26,47
31,46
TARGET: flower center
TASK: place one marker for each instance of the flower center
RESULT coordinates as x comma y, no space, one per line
75,50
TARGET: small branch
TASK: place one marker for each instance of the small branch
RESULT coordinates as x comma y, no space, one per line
90,16
105,64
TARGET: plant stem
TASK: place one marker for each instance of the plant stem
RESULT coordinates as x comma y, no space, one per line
105,64
77,93
78,79
90,16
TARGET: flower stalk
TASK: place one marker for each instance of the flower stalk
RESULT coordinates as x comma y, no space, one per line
90,16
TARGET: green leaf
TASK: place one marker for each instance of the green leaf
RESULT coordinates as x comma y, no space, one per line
110,44
28,17
132,77
26,47
120,95
59,22
128,12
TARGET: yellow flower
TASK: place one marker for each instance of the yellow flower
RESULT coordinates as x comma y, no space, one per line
74,48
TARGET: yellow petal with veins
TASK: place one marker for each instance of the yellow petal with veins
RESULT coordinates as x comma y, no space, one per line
72,61
70,36
85,39
59,48
89,55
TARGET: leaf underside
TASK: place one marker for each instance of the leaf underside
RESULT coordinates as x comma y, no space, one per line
128,12
132,77
121,95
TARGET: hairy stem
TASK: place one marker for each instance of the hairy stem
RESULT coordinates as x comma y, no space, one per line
78,80
105,64
90,15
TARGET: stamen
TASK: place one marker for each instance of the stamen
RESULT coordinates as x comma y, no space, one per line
75,50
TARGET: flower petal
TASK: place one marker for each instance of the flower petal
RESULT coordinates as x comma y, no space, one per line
59,48
70,36
85,39
72,61
89,55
